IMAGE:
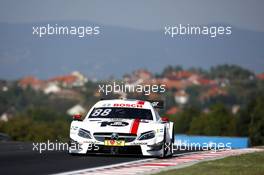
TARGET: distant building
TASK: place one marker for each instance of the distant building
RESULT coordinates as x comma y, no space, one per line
205,82
179,75
75,79
181,97
194,79
31,82
6,116
52,88
169,84
212,92
222,82
4,85
142,74
53,85
77,109
138,75
176,84
235,109
5,88
81,79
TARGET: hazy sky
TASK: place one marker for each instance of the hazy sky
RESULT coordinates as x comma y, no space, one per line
23,54
139,14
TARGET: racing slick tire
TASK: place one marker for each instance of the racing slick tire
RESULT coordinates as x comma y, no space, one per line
166,150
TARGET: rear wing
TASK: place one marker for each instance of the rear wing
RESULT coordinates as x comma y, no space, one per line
157,103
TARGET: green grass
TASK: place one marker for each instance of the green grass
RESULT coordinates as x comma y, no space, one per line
246,164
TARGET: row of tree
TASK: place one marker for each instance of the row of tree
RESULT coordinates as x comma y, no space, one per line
219,121
37,124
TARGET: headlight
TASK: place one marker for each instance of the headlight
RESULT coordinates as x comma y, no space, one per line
84,133
147,135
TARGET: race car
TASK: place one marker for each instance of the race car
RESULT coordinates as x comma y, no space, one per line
122,126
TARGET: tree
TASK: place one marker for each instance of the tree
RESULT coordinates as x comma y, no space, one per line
37,125
218,122
254,115
184,119
231,72
169,69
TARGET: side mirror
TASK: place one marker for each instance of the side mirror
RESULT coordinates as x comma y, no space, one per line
77,117
165,119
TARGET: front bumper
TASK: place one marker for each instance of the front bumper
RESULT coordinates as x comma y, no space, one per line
151,149
120,150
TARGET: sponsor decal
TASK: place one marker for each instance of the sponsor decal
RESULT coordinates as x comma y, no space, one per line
134,127
157,104
144,121
128,105
114,143
117,119
88,141
106,105
138,143
114,123
159,130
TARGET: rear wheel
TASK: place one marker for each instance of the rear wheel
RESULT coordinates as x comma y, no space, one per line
171,144
163,151
169,147
166,147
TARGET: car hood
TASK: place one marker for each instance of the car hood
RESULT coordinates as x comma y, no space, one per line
132,126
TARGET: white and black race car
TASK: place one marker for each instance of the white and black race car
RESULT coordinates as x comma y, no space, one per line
122,126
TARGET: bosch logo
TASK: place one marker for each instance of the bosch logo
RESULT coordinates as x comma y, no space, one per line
128,105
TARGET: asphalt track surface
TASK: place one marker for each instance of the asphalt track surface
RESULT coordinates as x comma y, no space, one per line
19,158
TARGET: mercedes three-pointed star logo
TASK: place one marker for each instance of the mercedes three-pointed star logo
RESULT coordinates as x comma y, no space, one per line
114,136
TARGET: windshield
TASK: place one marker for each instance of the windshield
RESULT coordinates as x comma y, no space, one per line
124,113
